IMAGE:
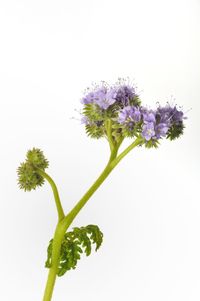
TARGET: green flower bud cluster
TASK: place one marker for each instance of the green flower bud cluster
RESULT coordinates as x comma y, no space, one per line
28,176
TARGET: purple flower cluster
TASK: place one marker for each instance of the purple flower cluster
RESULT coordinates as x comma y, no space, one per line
169,114
155,124
124,94
106,96
122,106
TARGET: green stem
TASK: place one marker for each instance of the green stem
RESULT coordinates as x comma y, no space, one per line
112,163
138,141
60,211
57,241
73,213
64,224
108,126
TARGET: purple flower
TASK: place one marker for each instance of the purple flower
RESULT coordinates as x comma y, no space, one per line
129,114
122,106
155,125
177,116
136,115
124,94
105,97
148,130
161,130
85,120
89,98
149,116
169,115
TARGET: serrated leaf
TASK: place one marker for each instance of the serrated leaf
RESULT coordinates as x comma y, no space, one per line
73,245
83,239
96,235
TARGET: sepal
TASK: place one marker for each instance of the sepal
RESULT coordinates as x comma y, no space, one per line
175,131
153,143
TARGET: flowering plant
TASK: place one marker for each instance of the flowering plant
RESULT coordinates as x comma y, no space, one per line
111,112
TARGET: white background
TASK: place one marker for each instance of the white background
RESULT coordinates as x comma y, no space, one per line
149,208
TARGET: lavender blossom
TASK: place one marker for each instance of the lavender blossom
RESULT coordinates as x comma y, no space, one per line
89,98
125,94
149,116
152,126
129,114
85,120
128,118
103,97
161,130
148,131
169,115
163,119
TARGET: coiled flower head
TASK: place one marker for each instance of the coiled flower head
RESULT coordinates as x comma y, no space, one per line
36,157
28,177
121,105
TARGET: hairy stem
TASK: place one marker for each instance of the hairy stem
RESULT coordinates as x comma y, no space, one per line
57,241
112,163
138,141
64,223
60,211
73,213
109,134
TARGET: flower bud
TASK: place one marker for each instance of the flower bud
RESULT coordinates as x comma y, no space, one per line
37,159
28,177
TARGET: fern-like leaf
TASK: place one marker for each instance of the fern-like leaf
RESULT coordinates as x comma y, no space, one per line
83,239
73,245
96,235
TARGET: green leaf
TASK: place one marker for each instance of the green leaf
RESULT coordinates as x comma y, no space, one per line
73,245
49,254
96,235
83,239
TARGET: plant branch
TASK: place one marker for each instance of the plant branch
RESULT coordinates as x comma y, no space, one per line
65,222
60,211
138,141
111,141
57,241
73,213
113,161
